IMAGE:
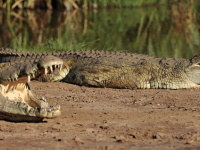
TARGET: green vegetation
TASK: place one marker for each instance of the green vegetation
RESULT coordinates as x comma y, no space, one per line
125,3
76,4
164,31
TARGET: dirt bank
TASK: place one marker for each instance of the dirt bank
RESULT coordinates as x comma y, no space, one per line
103,118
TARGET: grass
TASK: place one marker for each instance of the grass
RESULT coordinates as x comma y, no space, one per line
79,4
125,3
54,45
150,30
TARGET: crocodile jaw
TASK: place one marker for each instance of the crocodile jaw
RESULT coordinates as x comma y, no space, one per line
20,104
22,112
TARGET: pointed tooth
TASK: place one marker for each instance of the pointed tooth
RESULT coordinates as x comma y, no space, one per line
33,75
23,85
58,106
44,99
24,91
3,89
29,78
18,86
45,71
51,68
6,88
60,67
44,109
11,88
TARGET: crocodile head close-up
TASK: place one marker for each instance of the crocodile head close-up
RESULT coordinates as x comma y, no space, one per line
13,71
193,70
19,104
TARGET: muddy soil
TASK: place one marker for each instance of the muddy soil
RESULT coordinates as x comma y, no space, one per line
103,118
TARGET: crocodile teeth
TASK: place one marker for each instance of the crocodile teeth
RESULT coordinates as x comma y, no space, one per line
29,78
45,70
21,87
44,109
57,106
11,88
60,67
6,88
44,99
49,110
51,68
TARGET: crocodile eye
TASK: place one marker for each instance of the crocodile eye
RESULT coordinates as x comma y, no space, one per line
198,64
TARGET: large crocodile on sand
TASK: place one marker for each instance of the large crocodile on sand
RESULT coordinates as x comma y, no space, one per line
103,69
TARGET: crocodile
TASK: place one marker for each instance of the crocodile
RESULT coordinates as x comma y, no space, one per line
12,69
19,104
112,69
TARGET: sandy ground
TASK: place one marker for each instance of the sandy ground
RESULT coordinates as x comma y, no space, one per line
103,118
